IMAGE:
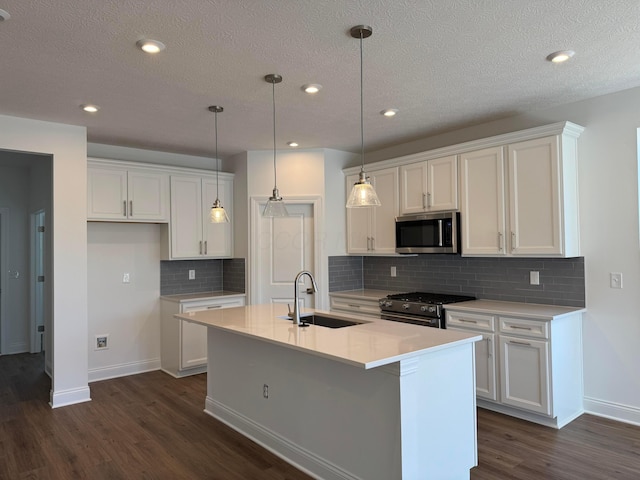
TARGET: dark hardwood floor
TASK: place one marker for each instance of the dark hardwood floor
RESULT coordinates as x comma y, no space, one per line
151,426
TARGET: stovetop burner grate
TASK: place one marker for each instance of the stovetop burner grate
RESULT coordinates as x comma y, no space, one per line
430,298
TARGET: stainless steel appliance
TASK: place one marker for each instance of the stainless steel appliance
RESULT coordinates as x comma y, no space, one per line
428,233
419,308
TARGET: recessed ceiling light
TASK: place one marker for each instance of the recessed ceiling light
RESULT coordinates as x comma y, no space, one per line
389,112
87,107
4,15
150,46
312,87
292,144
561,56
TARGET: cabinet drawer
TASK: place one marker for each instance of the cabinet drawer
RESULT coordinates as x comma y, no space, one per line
352,305
212,304
524,328
472,321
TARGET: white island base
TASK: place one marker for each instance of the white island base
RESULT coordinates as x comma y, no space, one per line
412,419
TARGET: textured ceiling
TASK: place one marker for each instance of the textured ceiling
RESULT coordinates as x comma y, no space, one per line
443,64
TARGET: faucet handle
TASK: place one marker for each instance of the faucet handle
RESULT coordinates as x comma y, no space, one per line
290,312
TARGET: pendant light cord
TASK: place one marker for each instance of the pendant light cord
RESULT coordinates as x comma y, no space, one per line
273,97
217,159
361,108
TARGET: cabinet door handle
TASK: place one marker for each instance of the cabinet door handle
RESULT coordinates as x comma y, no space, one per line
205,247
211,307
428,200
124,207
467,321
131,208
424,201
518,327
354,306
500,241
519,343
373,243
200,249
489,348
513,241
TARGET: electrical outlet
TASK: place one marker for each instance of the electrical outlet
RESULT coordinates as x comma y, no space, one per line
393,271
534,278
265,391
102,342
192,274
126,278
615,280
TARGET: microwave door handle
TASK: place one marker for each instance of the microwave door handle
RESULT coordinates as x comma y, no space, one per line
439,233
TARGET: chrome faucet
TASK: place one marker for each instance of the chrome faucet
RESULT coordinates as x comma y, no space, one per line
296,294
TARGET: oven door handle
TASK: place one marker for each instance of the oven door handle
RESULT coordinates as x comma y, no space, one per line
439,233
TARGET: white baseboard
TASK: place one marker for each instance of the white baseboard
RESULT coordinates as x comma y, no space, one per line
300,458
123,369
69,397
613,411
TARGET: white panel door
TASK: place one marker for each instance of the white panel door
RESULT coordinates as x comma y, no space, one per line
147,195
413,188
358,224
534,193
285,247
217,236
483,202
186,217
442,191
383,224
107,194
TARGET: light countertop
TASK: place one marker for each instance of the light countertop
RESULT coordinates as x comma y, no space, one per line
372,344
530,310
188,297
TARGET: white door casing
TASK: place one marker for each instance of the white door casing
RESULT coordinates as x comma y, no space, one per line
282,247
38,279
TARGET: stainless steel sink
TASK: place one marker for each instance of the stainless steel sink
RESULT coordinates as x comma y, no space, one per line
329,322
323,321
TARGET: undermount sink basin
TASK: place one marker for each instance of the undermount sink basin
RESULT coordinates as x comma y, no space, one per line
324,321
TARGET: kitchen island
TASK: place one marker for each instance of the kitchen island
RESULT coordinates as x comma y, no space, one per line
379,400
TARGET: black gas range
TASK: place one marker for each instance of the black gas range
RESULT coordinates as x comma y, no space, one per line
419,308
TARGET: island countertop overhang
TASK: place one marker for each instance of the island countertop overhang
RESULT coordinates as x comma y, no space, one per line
372,344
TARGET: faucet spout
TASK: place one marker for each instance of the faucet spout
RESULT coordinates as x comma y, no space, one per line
296,294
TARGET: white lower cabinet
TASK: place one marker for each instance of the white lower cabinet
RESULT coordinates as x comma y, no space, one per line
184,344
527,367
485,350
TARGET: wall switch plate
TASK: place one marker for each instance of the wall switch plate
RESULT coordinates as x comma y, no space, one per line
615,279
102,342
192,274
126,278
393,271
534,278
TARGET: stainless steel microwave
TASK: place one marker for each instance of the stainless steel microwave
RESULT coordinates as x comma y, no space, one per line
428,233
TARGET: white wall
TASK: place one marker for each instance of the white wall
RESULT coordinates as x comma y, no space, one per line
14,195
335,199
67,144
608,182
128,312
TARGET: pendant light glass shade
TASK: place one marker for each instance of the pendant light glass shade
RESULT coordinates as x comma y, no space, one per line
362,193
218,213
275,206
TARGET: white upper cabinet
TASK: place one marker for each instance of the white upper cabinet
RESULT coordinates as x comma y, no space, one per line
192,235
371,230
521,199
429,186
122,193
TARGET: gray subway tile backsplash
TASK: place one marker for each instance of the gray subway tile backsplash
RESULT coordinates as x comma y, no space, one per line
210,276
561,279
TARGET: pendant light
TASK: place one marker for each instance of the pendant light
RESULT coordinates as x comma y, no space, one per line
218,213
275,206
362,193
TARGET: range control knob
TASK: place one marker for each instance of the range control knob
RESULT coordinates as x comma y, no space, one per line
406,306
388,304
423,308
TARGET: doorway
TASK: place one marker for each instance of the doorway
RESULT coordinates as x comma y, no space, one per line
4,213
280,248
